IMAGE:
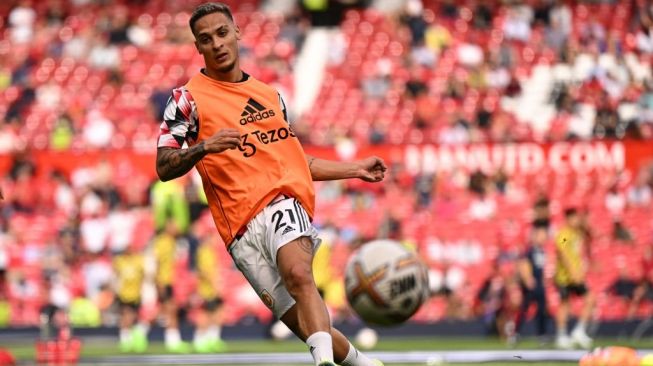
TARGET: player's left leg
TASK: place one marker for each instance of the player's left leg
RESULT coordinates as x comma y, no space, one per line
345,354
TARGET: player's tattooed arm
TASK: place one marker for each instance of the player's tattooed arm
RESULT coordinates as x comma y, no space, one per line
172,163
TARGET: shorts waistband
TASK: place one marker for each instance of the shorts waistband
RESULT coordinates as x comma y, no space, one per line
240,233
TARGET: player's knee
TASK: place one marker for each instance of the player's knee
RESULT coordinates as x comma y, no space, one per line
299,279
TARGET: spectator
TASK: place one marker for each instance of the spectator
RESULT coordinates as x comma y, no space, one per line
414,20
482,18
449,9
103,54
644,36
483,207
624,287
21,20
560,15
615,202
62,134
639,195
377,83
140,33
517,25
98,130
118,28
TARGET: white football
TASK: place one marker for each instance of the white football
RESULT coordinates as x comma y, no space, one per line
386,283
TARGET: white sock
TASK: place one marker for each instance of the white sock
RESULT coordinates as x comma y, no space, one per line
172,337
215,332
561,333
125,335
356,358
199,336
580,327
143,327
321,347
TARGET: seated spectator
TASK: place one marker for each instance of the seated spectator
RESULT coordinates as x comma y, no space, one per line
517,25
624,287
484,207
639,195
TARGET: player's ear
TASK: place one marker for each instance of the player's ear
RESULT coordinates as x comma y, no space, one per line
237,29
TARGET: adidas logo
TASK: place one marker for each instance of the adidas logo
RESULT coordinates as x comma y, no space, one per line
287,230
254,111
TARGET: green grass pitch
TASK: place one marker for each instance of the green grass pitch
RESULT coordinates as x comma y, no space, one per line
24,351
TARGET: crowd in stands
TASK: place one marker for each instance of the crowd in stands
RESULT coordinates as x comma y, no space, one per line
83,75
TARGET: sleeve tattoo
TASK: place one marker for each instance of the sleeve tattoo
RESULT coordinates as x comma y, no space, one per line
172,163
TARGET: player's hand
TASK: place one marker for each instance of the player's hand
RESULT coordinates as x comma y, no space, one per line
371,169
225,139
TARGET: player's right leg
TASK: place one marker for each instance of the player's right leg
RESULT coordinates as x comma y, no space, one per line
345,354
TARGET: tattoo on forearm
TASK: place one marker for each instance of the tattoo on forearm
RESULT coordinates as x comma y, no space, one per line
173,163
306,245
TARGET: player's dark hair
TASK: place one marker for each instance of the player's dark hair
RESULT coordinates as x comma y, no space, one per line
206,9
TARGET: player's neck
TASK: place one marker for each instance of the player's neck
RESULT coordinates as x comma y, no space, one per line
233,76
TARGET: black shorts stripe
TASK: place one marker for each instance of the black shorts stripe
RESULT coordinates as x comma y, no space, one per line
300,217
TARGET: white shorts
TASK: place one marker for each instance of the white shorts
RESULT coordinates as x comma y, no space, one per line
255,253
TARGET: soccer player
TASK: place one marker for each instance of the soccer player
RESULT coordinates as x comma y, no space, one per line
129,269
207,333
531,274
570,273
258,180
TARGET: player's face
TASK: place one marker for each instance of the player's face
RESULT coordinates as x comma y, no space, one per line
539,237
574,221
216,38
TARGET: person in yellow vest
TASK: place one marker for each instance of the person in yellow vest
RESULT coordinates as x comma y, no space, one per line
570,277
258,181
129,270
209,320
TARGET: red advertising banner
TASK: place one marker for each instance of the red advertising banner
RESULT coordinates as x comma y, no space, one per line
517,158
